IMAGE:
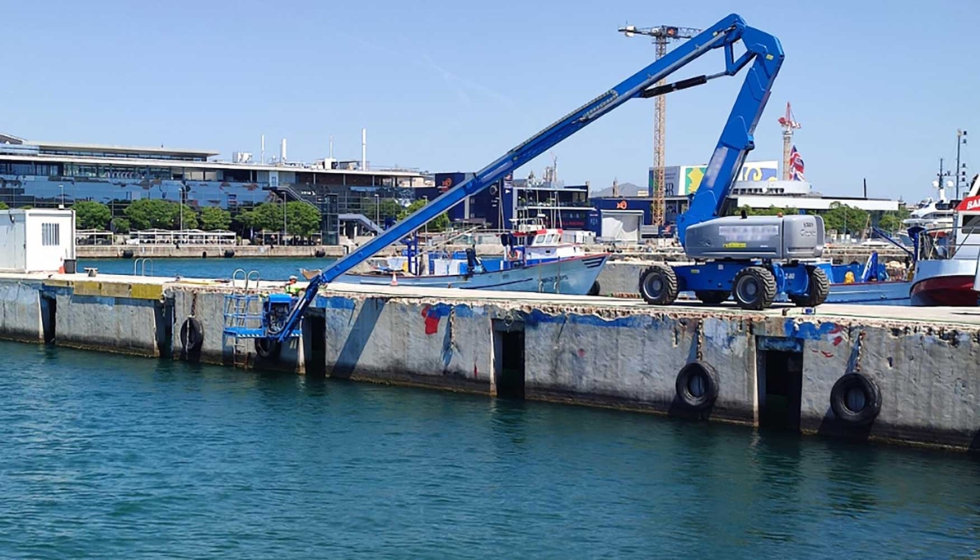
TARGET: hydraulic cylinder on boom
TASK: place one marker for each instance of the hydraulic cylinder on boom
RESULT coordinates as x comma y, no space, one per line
745,244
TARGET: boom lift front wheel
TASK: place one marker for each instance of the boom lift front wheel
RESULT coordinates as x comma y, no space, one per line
658,285
754,288
817,292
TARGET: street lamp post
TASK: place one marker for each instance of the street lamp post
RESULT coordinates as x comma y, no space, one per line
181,209
960,140
377,210
283,242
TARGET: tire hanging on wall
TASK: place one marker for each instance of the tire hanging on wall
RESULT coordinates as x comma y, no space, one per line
855,387
266,348
697,386
191,335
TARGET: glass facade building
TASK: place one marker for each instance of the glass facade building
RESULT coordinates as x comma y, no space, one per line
46,174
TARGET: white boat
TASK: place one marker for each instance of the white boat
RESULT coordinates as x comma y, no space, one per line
946,268
536,259
575,276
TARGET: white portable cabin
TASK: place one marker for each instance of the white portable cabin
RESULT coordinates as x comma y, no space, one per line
36,240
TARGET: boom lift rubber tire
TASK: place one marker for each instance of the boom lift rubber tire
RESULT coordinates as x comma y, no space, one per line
267,348
696,386
658,285
818,292
869,390
191,335
754,288
712,297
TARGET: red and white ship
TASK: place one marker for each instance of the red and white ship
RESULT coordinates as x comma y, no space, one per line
946,268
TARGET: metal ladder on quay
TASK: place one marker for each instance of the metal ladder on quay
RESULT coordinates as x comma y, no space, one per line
243,314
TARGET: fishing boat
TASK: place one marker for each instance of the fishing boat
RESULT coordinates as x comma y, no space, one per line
947,257
541,260
869,284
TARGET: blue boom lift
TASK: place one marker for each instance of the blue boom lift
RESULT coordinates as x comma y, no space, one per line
738,255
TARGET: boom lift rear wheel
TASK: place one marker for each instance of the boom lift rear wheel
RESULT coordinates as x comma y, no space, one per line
754,288
818,290
658,285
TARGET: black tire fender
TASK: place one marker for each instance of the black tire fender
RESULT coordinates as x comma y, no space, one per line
697,373
191,335
266,348
844,388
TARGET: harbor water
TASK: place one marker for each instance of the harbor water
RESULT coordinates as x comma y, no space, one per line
118,457
269,268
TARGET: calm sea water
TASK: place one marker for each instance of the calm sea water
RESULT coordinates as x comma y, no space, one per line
269,268
105,456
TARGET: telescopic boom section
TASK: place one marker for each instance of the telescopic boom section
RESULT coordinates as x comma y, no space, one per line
735,139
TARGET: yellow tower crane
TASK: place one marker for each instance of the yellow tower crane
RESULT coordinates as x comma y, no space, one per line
661,36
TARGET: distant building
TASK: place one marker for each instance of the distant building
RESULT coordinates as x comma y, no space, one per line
496,206
752,194
43,174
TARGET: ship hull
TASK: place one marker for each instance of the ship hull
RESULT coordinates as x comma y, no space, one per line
945,283
574,276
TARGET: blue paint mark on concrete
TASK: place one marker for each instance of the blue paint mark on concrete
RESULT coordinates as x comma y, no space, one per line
334,302
440,310
779,344
809,331
536,317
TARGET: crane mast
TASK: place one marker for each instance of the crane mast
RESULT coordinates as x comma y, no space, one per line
661,36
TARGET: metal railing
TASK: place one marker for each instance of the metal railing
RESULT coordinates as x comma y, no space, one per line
139,265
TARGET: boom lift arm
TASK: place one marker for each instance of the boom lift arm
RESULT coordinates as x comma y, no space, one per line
736,141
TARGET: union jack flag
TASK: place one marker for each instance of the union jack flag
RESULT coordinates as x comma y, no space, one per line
796,165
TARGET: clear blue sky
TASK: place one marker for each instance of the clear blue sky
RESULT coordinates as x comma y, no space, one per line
879,86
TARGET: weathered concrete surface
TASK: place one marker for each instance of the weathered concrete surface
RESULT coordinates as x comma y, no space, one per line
20,310
632,361
429,344
106,323
928,376
622,277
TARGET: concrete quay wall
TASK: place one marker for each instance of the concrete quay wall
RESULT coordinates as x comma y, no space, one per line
592,351
20,310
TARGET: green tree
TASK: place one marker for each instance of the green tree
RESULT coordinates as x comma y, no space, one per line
302,219
265,216
214,218
120,225
892,221
3,206
845,219
439,223
91,215
163,214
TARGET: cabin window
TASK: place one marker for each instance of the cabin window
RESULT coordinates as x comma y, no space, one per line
50,235
971,224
